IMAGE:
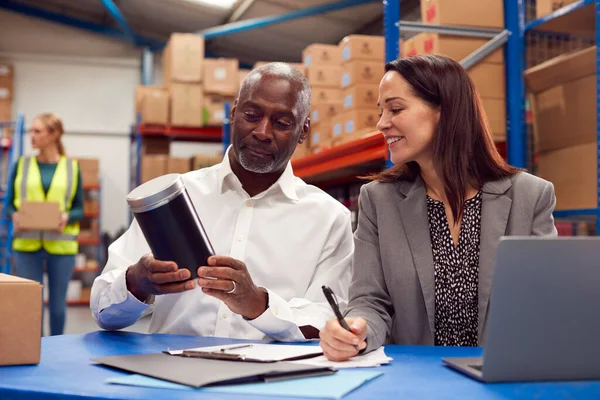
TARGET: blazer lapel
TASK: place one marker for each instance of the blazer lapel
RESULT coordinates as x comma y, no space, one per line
494,217
413,210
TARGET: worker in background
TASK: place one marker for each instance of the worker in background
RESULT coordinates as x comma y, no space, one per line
429,227
279,239
48,176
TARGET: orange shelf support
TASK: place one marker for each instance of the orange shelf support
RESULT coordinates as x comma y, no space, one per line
371,147
204,133
89,241
91,187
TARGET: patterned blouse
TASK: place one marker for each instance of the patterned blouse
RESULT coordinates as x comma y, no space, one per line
456,270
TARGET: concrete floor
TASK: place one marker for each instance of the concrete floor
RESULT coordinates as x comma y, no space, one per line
80,320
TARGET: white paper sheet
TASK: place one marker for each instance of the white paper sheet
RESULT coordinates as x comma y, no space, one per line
375,358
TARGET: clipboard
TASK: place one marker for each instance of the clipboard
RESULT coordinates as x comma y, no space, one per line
252,352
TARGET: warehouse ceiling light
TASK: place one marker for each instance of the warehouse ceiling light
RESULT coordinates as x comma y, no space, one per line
215,3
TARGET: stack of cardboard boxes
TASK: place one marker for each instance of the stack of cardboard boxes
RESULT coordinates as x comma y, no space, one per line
489,74
563,97
545,7
6,91
221,84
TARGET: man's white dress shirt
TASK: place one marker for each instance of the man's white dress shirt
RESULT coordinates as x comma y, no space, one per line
293,238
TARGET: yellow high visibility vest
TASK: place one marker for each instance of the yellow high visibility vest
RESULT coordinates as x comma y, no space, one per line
28,186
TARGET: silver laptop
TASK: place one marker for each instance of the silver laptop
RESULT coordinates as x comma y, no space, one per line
544,313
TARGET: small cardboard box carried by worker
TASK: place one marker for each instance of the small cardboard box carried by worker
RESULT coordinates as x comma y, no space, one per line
39,216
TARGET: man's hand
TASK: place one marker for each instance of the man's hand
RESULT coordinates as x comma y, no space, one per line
338,344
62,221
225,274
150,276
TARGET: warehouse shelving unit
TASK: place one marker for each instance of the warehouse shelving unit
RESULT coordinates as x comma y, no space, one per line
579,18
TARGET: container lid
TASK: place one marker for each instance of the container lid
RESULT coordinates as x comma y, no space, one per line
155,192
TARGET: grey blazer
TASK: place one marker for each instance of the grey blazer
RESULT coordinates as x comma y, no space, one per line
393,279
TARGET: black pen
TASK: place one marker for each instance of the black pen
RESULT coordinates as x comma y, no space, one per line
331,299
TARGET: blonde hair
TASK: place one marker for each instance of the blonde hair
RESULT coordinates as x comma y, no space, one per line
54,124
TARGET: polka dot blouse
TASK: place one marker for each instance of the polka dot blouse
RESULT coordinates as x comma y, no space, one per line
456,270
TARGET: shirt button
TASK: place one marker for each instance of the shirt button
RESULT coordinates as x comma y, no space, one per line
249,203
240,238
224,316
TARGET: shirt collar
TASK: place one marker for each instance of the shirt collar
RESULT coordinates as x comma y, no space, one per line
285,182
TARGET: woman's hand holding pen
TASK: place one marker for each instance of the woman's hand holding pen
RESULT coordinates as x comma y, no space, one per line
338,344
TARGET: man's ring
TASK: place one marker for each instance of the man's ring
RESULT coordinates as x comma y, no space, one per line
233,289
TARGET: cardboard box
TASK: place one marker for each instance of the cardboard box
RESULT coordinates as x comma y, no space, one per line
156,145
183,58
302,150
362,47
21,316
5,110
91,206
457,47
352,124
324,76
564,100
186,104
413,46
545,7
321,135
39,215
495,110
213,111
6,81
200,161
153,104
361,96
488,13
317,54
325,96
153,166
572,170
489,80
178,165
221,76
324,112
89,168
362,72
299,66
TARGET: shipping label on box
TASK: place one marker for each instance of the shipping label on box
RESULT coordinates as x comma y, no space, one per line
324,112
362,47
361,96
478,13
39,215
321,54
326,96
457,47
21,321
327,76
221,76
183,58
186,104
362,72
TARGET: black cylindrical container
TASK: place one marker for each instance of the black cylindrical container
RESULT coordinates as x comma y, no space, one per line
171,226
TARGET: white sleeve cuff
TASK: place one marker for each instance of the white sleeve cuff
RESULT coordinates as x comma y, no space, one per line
277,321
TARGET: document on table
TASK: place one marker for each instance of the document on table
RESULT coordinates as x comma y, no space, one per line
260,352
373,359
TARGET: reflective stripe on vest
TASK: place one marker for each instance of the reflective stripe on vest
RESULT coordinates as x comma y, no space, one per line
54,242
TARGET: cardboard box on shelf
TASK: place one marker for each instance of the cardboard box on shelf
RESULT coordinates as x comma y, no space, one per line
413,46
323,76
213,111
317,53
489,80
352,124
183,58
457,47
302,150
6,81
325,96
5,110
545,7
495,110
361,72
572,171
153,104
21,318
200,161
221,76
178,165
361,96
39,215
324,112
321,135
91,206
362,47
299,66
89,168
564,100
186,104
153,166
487,14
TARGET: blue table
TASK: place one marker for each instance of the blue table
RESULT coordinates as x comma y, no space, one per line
416,373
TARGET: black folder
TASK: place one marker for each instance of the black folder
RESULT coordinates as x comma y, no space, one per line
199,372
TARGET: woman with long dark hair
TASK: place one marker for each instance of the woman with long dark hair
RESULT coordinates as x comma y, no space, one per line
428,227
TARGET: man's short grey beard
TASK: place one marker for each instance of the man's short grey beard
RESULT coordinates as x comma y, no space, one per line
248,165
